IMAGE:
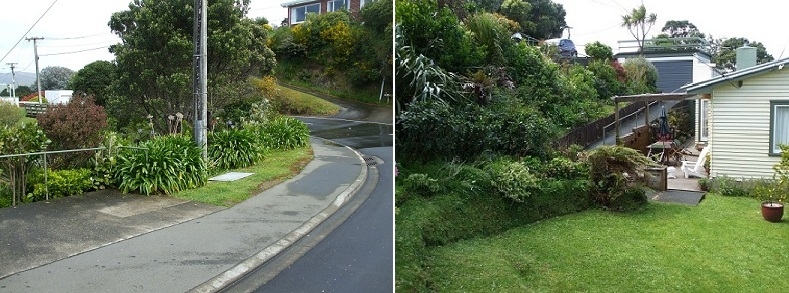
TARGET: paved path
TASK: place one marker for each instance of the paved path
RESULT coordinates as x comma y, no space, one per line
202,254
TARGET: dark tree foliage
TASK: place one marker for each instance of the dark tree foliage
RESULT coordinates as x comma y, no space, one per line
548,18
55,78
486,5
599,51
681,29
95,79
725,55
540,19
155,58
75,125
377,15
20,91
437,34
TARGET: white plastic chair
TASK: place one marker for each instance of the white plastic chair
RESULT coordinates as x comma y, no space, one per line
695,168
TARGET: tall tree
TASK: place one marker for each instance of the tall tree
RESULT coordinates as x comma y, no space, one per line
724,55
487,5
540,19
681,35
95,79
55,78
639,24
681,29
154,58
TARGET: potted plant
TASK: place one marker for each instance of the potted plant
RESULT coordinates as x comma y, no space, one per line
772,204
775,193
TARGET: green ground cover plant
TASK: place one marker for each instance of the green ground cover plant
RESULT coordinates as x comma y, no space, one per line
722,245
233,148
275,168
165,164
299,103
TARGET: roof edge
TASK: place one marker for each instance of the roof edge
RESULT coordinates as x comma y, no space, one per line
705,86
296,2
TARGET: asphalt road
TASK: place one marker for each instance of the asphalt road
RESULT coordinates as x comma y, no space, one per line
353,250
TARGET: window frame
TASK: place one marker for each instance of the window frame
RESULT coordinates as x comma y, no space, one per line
330,5
773,149
704,105
294,8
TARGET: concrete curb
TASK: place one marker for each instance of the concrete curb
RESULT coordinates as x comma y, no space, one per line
238,271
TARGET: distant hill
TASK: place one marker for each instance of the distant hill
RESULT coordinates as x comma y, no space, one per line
22,78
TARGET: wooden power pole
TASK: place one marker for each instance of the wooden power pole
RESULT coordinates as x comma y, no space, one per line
35,52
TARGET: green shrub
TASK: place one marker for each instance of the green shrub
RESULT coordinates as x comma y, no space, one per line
513,180
165,164
599,51
421,184
24,138
564,168
628,199
728,186
75,125
10,113
283,133
432,130
5,195
641,76
59,183
105,162
607,168
233,148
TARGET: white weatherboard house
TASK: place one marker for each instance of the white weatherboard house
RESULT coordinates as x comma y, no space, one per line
58,96
746,116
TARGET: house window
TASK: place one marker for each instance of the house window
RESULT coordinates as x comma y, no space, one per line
704,129
364,2
779,125
335,5
299,14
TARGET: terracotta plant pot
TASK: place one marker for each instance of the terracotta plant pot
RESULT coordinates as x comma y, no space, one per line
772,211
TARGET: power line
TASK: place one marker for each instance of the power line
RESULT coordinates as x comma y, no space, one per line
28,30
75,38
620,5
80,51
81,45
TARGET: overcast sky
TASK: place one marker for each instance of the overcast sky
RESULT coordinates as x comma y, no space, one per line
757,20
71,26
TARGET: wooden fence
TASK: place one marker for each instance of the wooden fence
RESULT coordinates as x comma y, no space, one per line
33,109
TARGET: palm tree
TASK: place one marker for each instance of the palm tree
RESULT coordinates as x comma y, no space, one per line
639,24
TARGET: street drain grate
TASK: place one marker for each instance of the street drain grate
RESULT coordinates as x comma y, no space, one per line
373,160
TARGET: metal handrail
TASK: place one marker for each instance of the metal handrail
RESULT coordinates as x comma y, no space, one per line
44,154
626,116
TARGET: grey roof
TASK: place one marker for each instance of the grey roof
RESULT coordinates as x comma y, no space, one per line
296,2
706,86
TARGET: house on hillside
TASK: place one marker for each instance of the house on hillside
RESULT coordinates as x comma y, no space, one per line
746,116
298,10
678,61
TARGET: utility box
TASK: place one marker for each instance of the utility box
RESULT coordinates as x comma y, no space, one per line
656,178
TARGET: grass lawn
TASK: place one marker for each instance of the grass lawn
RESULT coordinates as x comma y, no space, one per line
298,103
722,245
275,168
